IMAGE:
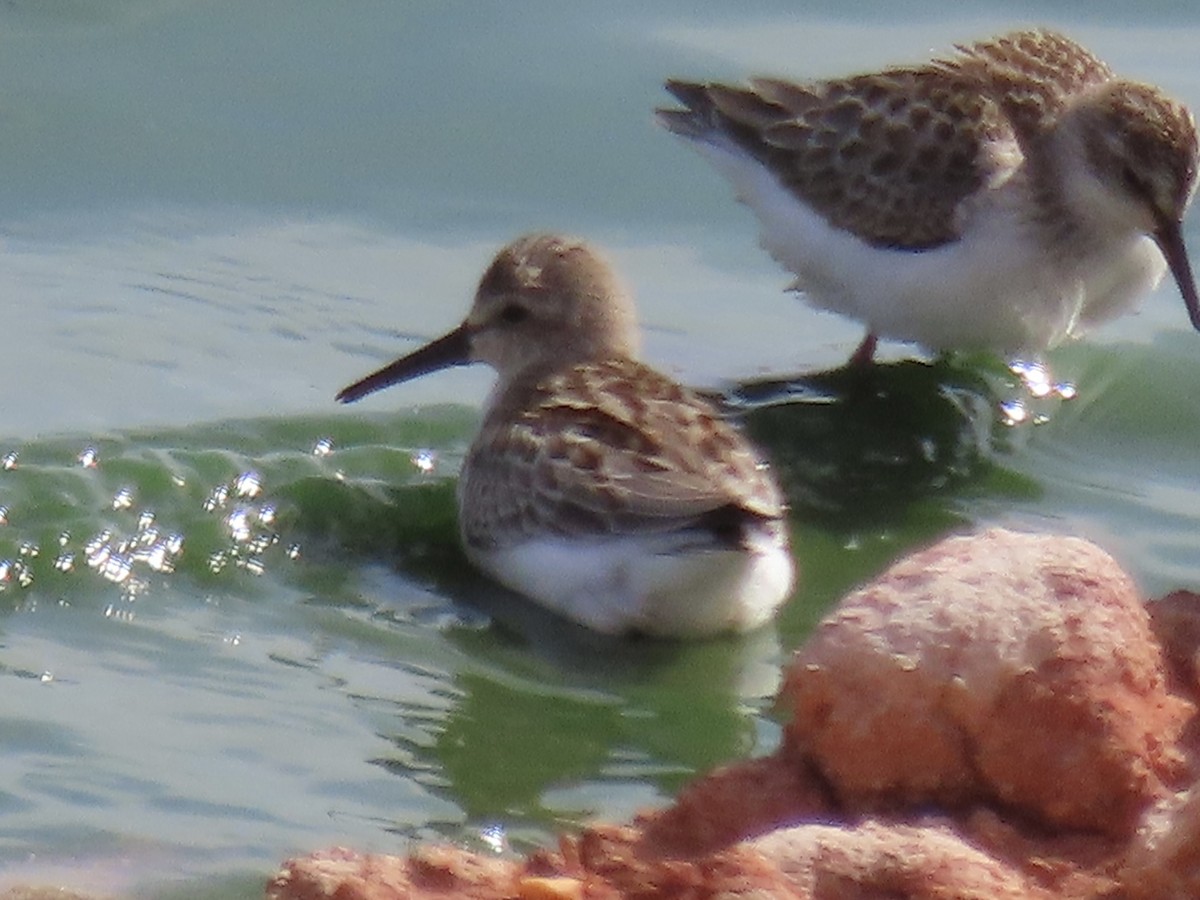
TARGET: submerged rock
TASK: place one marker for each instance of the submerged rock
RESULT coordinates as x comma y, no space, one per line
993,717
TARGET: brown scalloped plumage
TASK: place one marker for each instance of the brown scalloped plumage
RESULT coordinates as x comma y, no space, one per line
891,156
609,448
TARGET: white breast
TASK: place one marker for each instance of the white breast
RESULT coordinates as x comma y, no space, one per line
1000,287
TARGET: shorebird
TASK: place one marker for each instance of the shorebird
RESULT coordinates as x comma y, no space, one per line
596,486
1005,198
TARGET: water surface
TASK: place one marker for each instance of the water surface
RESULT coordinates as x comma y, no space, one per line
234,621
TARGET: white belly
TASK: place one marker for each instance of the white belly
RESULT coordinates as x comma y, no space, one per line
999,288
660,585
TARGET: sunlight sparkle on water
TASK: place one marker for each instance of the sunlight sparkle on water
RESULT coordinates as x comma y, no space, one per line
15,571
1034,375
1039,381
1039,397
135,546
425,460
117,559
156,556
112,567
262,542
217,498
239,524
248,484
97,544
495,838
1013,412
119,613
248,525
217,560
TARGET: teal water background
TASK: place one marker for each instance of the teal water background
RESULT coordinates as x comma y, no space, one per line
234,621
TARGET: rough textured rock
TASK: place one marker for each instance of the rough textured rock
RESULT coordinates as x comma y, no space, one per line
1175,620
872,861
888,861
737,802
1164,861
429,872
999,668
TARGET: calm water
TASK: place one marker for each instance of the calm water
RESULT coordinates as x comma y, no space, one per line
234,622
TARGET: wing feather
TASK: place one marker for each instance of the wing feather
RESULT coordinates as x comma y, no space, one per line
895,157
611,448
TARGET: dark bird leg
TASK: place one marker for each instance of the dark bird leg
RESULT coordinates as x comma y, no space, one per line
865,354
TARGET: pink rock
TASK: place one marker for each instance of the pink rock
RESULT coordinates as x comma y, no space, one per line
870,861
1175,619
876,860
999,668
427,873
1164,861
736,802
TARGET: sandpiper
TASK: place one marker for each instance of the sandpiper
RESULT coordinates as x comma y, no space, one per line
597,486
1005,198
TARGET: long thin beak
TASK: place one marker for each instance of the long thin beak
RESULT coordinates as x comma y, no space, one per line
1169,238
453,349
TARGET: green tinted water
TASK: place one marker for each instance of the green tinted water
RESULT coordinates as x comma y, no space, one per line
235,623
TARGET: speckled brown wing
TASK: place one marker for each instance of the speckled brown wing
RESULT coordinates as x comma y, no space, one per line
891,156
888,157
1032,74
610,448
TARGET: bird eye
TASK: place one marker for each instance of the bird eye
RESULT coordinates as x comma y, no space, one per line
1133,181
512,314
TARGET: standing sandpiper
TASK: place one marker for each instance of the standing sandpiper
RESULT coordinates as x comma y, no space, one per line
596,486
1006,198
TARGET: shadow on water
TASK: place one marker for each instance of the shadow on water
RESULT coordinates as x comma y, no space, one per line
855,446
877,460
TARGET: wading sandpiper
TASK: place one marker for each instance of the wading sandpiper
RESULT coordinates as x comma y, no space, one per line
597,486
1005,198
